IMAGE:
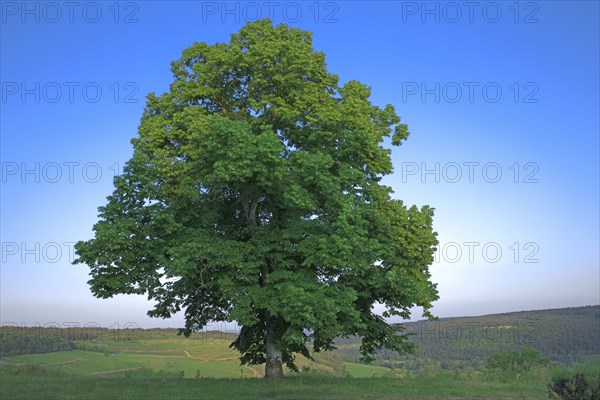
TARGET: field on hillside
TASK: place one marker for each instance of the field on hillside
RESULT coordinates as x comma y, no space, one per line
203,355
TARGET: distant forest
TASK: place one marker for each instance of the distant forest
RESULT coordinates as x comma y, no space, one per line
16,340
564,335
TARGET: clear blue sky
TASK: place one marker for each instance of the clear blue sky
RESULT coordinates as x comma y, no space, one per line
502,101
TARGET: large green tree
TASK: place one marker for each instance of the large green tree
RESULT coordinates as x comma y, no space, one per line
253,195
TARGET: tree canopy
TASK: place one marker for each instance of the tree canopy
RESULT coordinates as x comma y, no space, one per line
254,195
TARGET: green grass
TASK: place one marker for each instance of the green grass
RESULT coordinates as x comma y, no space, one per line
301,387
365,371
77,362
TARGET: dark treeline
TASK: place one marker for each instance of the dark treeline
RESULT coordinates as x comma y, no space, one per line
11,345
16,340
72,333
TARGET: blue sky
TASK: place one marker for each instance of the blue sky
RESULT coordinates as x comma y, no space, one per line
502,101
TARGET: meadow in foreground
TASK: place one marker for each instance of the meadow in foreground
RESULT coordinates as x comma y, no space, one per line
34,383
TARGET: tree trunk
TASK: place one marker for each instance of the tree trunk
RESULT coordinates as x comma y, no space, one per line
274,366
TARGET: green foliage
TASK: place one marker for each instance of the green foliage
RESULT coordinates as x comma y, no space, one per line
574,387
30,370
580,381
253,195
513,364
15,344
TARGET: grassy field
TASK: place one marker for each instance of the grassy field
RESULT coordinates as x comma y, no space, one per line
208,356
166,366
23,386
365,371
211,357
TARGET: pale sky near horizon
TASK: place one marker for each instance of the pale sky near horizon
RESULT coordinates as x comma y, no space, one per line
501,98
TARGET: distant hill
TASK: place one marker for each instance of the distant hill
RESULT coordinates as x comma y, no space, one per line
564,335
